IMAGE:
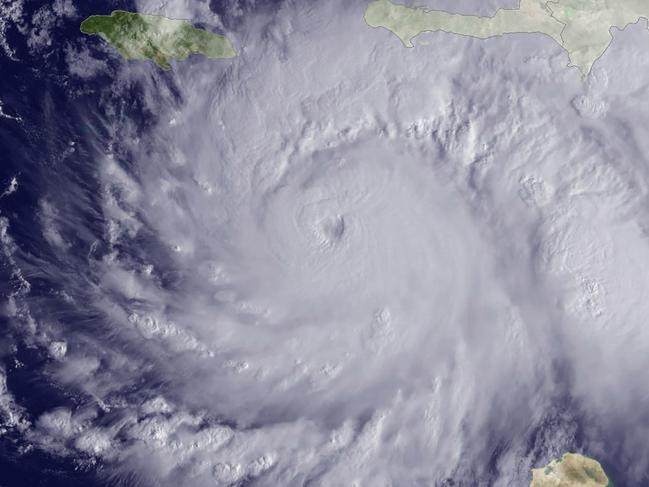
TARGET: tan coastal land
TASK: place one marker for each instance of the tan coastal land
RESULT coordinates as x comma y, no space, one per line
571,470
581,27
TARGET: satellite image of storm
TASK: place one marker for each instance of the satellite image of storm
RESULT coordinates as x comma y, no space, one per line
337,243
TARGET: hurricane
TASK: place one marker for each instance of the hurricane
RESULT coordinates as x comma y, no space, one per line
327,259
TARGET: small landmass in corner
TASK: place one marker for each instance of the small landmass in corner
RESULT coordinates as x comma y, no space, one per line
571,470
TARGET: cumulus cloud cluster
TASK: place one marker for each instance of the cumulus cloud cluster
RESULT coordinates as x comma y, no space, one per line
333,261
36,29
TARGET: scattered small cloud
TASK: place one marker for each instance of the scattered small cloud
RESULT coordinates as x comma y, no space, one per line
11,13
45,20
11,188
82,64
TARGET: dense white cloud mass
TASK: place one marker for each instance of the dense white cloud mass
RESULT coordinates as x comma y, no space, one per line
338,262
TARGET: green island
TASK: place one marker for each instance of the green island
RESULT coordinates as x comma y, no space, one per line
571,470
156,38
581,27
